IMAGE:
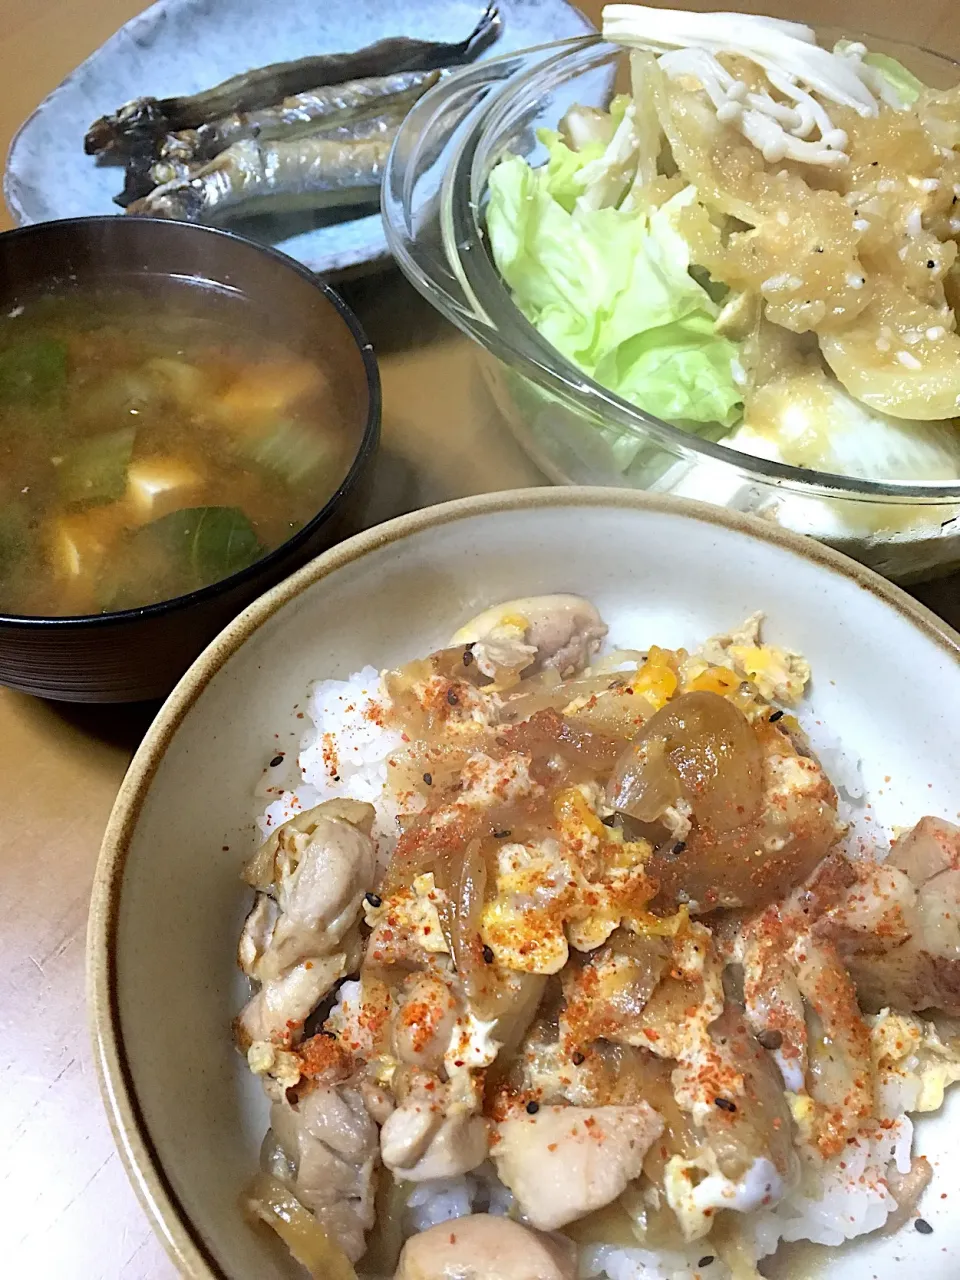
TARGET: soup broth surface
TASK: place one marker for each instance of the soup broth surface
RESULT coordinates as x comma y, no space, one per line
149,447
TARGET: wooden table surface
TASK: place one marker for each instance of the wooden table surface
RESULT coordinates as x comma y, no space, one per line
66,1208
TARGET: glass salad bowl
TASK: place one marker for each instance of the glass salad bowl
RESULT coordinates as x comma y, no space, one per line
578,432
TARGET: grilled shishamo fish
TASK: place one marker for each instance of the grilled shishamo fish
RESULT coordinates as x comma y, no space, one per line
354,109
253,177
138,124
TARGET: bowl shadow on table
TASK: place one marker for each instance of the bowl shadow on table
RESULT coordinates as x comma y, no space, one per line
120,725
394,316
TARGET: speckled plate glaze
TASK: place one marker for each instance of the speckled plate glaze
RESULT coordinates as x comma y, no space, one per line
183,46
167,901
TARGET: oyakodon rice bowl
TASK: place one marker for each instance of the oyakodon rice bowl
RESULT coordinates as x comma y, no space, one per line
576,944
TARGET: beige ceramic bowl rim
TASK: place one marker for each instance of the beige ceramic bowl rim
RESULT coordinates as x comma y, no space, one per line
182,1240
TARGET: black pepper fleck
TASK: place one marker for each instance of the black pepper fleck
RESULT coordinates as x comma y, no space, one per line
725,1104
374,899
501,833
770,1039
533,1108
930,263
336,777
679,846
487,954
452,697
428,779
924,1227
775,716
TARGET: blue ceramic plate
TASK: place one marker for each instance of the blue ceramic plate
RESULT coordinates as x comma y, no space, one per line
183,46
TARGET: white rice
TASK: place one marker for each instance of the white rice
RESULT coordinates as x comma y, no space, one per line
344,754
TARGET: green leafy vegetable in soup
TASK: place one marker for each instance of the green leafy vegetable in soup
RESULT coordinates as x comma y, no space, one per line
149,449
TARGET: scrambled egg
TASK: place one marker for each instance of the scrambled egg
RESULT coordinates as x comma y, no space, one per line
415,913
779,674
570,891
472,1045
523,921
913,1065
498,636
696,1189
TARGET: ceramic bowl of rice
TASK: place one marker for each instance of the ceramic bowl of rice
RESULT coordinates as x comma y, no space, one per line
566,884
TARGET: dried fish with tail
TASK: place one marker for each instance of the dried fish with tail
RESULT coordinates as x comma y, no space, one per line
333,107
252,176
138,124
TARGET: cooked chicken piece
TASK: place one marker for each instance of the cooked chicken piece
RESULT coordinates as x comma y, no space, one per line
435,1131
564,1162
561,632
277,1012
606,995
675,1021
898,926
773,1004
330,1141
483,1247
424,1022
320,865
840,1071
257,932
301,936
733,1095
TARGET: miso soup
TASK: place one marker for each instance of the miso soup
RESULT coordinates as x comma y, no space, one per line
150,448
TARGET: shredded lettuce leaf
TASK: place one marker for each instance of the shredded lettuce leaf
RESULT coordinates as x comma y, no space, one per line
612,291
886,77
903,82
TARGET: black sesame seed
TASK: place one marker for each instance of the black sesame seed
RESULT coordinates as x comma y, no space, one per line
487,954
452,697
275,761
428,779
770,1039
924,1227
533,1108
578,1059
679,846
467,657
725,1104
705,1260
775,716
609,820
374,899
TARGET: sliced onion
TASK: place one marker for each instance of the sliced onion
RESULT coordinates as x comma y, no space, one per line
700,748
386,1238
271,1202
